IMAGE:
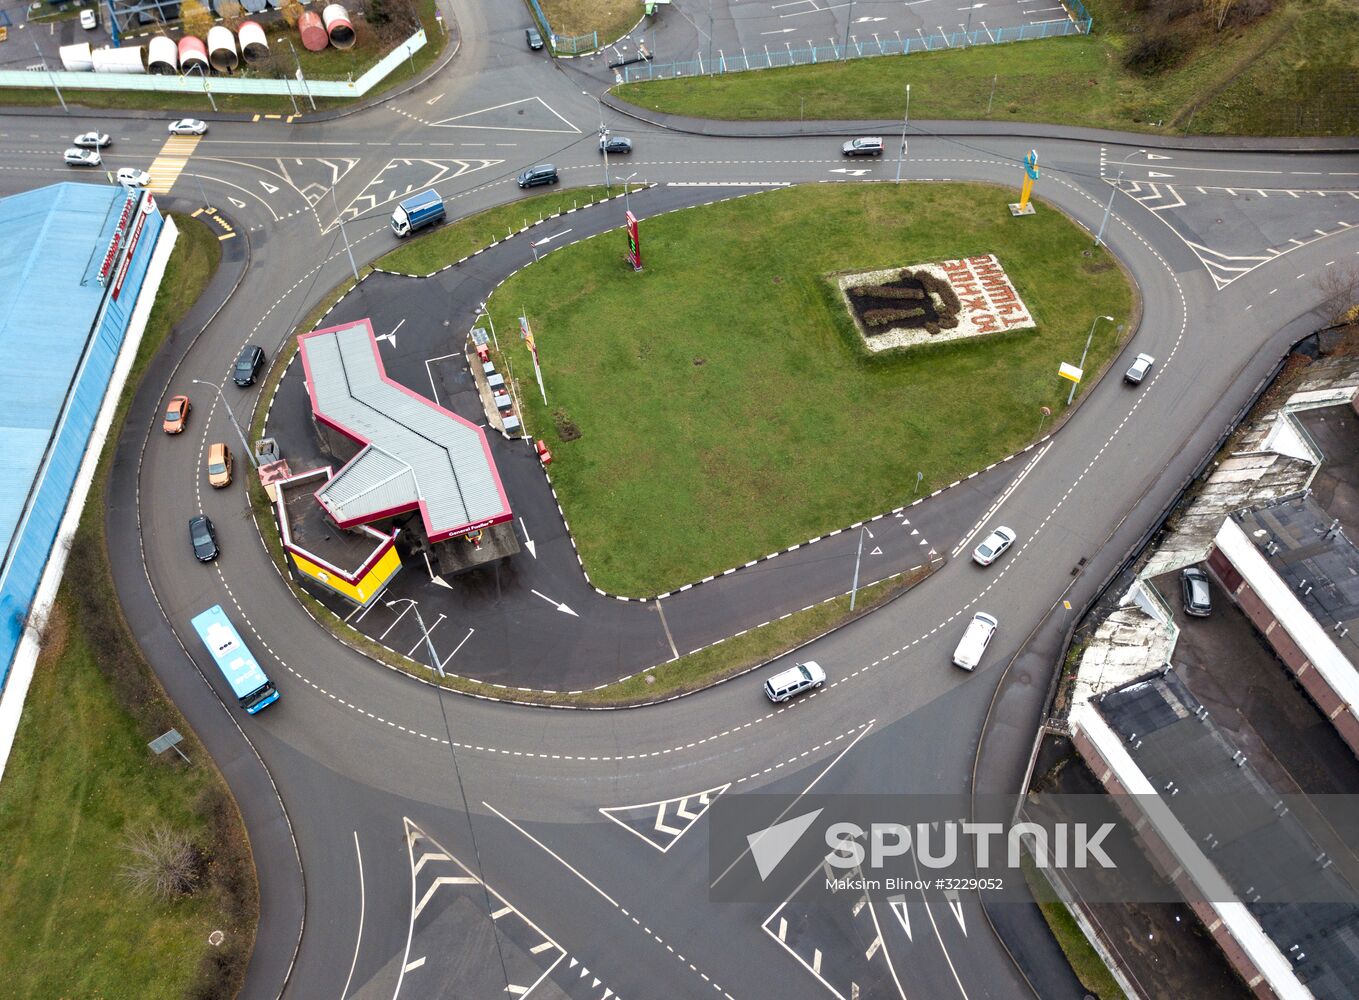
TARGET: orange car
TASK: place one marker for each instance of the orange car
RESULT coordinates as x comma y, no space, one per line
176,415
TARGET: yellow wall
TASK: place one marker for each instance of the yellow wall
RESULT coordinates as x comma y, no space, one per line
367,586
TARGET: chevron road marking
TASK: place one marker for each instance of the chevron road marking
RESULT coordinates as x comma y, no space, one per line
442,880
688,808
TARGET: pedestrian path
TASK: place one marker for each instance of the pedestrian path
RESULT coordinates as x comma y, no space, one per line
173,158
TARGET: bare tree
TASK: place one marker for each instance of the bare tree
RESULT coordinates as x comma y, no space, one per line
164,862
195,17
1217,11
1339,288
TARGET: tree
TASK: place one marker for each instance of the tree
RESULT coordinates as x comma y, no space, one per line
195,17
232,13
164,862
292,12
1339,288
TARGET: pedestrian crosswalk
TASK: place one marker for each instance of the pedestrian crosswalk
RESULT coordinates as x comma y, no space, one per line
173,158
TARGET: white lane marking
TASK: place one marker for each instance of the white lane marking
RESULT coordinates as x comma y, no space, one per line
362,904
1000,500
937,936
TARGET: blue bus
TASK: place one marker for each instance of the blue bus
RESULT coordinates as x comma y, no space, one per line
253,689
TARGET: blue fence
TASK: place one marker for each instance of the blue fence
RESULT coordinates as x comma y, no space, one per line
567,44
770,58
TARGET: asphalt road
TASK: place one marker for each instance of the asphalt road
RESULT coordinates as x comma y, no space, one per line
420,817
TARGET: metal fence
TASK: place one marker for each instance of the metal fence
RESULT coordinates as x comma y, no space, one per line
570,45
772,57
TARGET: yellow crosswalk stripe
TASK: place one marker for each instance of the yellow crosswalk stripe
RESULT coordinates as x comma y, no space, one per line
173,158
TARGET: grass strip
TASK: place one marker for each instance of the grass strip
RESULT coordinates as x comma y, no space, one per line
1085,961
610,18
81,778
425,253
1292,72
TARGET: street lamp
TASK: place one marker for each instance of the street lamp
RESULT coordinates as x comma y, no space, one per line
1088,338
904,122
343,232
250,453
627,202
603,134
968,32
848,21
429,643
1099,237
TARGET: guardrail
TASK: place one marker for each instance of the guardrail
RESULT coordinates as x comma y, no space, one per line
284,87
718,62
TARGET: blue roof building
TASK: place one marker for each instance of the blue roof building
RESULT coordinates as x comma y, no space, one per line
73,259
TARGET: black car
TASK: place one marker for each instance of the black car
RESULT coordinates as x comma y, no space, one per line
248,365
203,538
543,173
1197,600
615,144
535,40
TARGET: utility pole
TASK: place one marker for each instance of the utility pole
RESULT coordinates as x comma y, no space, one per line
249,452
203,73
354,267
901,157
1099,237
52,79
848,21
710,33
854,590
429,643
1088,338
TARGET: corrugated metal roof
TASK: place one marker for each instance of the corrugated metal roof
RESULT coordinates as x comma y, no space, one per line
416,451
52,242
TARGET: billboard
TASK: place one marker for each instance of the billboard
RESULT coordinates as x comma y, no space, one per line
634,244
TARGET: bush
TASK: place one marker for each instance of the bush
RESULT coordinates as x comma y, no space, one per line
884,317
232,13
164,862
292,12
195,17
1155,54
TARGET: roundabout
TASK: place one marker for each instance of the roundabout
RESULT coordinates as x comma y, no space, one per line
413,842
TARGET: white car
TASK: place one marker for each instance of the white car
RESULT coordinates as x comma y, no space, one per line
131,177
89,19
1139,369
992,546
188,126
92,140
83,157
793,681
974,641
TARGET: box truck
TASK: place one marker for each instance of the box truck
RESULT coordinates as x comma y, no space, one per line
416,212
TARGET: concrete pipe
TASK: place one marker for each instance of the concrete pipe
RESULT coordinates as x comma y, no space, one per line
338,27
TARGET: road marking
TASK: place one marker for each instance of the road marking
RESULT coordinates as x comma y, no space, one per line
1003,497
559,605
674,653
414,965
358,939
170,162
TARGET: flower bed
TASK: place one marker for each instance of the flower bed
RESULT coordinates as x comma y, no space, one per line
933,303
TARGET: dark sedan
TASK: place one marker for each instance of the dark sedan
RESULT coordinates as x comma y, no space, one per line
617,144
203,538
248,365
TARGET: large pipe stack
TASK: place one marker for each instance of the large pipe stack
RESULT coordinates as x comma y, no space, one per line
222,49
162,56
193,56
128,59
313,31
77,58
338,27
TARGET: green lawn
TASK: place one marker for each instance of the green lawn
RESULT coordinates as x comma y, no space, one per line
725,407
611,18
81,777
1084,960
426,252
1292,72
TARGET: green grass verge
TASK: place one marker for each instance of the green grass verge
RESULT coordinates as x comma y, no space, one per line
1292,72
81,777
330,63
725,406
610,18
426,252
1085,961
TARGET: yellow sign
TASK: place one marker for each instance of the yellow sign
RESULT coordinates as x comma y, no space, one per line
1070,372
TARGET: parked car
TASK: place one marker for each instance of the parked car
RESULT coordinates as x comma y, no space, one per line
247,365
618,144
203,538
83,157
1198,600
975,639
535,40
793,681
219,465
188,126
131,177
176,415
92,140
1139,369
89,20
993,546
543,173
869,145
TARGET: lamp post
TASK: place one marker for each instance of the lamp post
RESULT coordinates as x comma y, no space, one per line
306,87
854,589
848,21
627,202
1099,237
901,157
249,452
967,34
603,135
343,232
429,643
1088,338
51,79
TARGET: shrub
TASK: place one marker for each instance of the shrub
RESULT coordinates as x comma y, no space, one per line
195,17
292,12
884,317
1155,53
232,13
164,862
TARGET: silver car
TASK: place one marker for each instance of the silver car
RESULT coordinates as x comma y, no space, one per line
993,546
188,126
1139,369
92,140
83,157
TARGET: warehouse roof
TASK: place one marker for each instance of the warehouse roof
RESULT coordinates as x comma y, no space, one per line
52,242
415,454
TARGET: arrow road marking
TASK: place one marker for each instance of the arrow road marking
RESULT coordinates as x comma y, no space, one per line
1156,156
898,905
529,543
847,170
549,239
956,905
557,604
1153,173
389,337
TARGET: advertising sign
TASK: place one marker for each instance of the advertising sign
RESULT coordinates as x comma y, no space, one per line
634,244
116,242
532,344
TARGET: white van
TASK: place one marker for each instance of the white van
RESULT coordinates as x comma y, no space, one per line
794,680
974,641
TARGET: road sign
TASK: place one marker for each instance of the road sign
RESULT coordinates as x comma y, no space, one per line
1070,372
634,243
168,741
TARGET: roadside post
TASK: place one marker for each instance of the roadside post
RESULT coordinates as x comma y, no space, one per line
1024,206
169,740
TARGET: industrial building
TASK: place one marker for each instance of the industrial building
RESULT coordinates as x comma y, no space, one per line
80,265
